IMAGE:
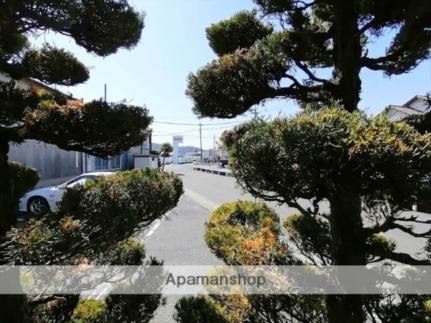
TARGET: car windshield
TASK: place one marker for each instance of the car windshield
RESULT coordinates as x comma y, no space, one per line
79,180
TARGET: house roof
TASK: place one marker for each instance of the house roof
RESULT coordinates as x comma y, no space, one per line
34,82
407,108
49,88
416,98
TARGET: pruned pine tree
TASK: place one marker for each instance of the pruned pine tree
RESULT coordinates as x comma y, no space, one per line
99,128
365,168
165,150
313,52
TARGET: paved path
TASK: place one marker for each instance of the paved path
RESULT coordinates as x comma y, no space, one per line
178,240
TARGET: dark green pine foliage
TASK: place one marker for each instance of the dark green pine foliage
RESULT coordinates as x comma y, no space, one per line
309,51
99,128
101,27
313,52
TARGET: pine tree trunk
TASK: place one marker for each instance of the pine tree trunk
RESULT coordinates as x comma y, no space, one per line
7,203
346,222
348,248
347,53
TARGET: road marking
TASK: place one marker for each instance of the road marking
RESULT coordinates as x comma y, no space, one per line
201,200
156,224
153,228
104,292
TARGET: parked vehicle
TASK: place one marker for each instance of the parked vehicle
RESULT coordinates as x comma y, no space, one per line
39,201
223,163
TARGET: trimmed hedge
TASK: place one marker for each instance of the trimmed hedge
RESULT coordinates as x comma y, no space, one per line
23,179
89,311
198,309
92,219
245,233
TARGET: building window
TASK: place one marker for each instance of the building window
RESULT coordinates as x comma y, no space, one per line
100,163
116,162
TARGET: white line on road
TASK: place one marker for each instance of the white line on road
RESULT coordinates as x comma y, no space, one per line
96,294
201,200
153,228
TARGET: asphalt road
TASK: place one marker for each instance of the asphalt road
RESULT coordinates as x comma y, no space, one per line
178,239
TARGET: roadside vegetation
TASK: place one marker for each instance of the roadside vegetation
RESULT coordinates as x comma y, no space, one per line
368,169
97,127
165,150
95,225
364,167
369,165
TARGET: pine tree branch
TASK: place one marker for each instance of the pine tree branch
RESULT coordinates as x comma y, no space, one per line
298,91
373,23
391,224
313,77
410,231
401,257
414,219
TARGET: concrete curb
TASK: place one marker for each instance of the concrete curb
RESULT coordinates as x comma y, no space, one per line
206,169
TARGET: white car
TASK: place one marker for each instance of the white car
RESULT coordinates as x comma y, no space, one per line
41,200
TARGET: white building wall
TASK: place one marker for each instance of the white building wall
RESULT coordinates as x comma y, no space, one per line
146,162
49,160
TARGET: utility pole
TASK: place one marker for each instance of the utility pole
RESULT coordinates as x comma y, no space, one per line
256,114
105,92
200,138
214,148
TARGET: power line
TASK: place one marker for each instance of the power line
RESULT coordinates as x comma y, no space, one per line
192,130
197,124
194,136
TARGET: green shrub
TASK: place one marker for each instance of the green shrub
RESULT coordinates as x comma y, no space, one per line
310,235
239,31
54,309
245,233
315,153
198,309
89,311
427,307
132,308
23,179
92,219
124,307
379,242
127,252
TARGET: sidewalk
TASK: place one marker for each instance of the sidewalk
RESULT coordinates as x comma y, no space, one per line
179,240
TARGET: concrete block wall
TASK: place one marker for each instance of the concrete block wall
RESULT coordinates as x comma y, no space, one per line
50,161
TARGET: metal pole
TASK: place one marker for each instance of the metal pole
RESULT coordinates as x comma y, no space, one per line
214,148
200,138
105,92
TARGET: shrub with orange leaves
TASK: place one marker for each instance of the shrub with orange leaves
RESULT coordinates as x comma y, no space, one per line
245,233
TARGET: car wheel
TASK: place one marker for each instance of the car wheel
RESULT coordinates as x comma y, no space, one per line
37,206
